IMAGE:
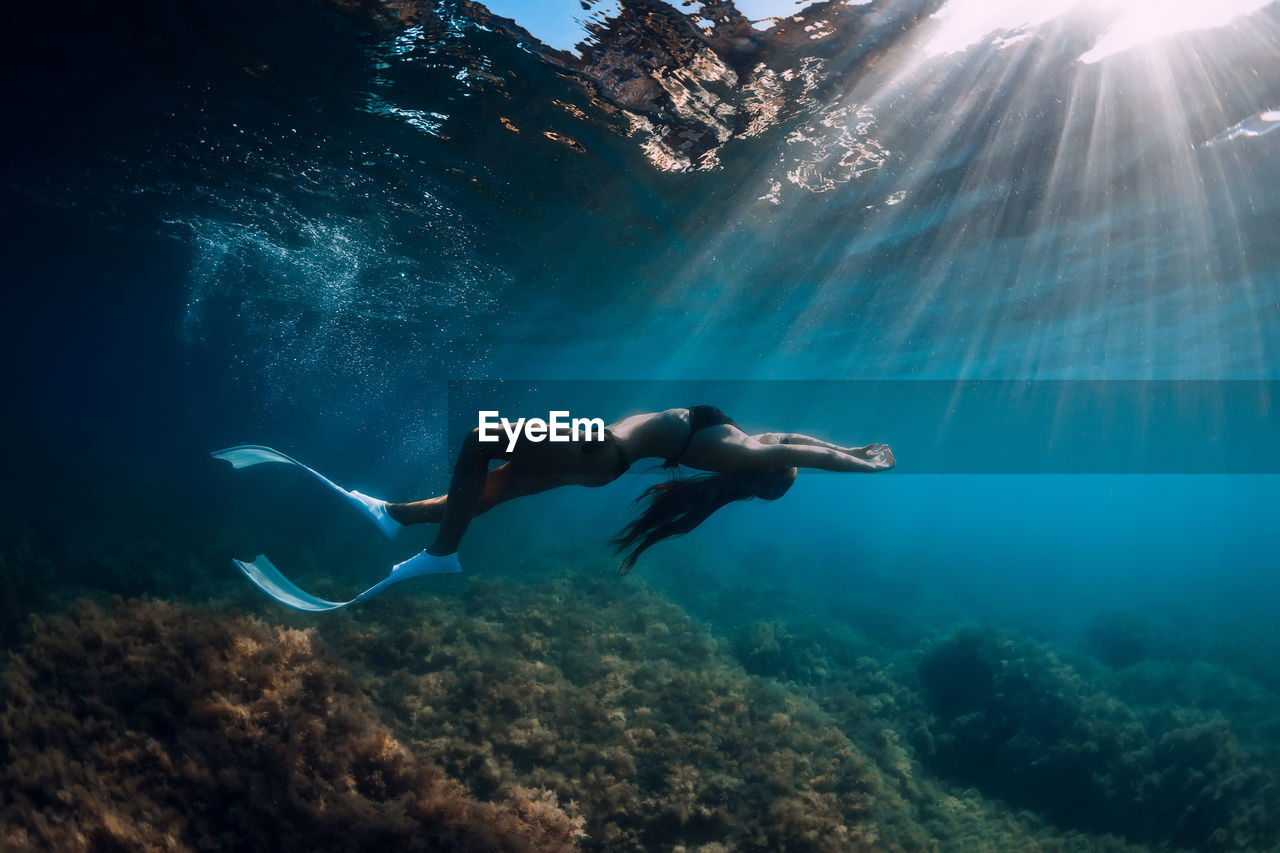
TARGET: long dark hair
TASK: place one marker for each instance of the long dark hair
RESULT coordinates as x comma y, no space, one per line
675,507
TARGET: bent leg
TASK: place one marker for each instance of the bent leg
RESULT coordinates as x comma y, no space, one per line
501,485
466,488
472,490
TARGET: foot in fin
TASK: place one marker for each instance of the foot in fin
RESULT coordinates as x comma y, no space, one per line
377,511
423,563
252,454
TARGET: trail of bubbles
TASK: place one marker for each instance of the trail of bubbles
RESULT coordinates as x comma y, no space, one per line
336,327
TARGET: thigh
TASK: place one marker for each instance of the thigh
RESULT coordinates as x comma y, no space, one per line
567,462
515,479
511,481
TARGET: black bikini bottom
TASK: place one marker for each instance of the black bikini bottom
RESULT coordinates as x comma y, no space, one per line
700,417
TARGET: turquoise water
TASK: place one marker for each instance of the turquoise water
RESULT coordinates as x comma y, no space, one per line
1052,284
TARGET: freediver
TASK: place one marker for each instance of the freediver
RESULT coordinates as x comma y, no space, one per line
735,465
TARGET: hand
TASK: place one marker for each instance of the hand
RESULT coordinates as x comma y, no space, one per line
882,458
867,450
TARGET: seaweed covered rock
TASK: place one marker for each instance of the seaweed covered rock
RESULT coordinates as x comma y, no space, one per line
774,650
164,727
613,697
160,727
1018,722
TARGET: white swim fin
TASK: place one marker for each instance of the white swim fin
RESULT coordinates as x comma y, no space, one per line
1258,124
269,579
251,454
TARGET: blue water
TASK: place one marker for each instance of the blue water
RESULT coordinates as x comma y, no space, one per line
218,234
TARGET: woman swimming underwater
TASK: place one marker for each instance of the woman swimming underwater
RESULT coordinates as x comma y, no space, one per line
738,466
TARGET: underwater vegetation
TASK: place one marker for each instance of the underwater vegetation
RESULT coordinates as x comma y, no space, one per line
1018,722
576,711
161,727
625,707
515,716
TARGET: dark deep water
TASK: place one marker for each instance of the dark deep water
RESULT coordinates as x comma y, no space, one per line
331,230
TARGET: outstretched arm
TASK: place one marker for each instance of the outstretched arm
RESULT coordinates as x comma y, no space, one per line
865,451
810,452
808,456
733,450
